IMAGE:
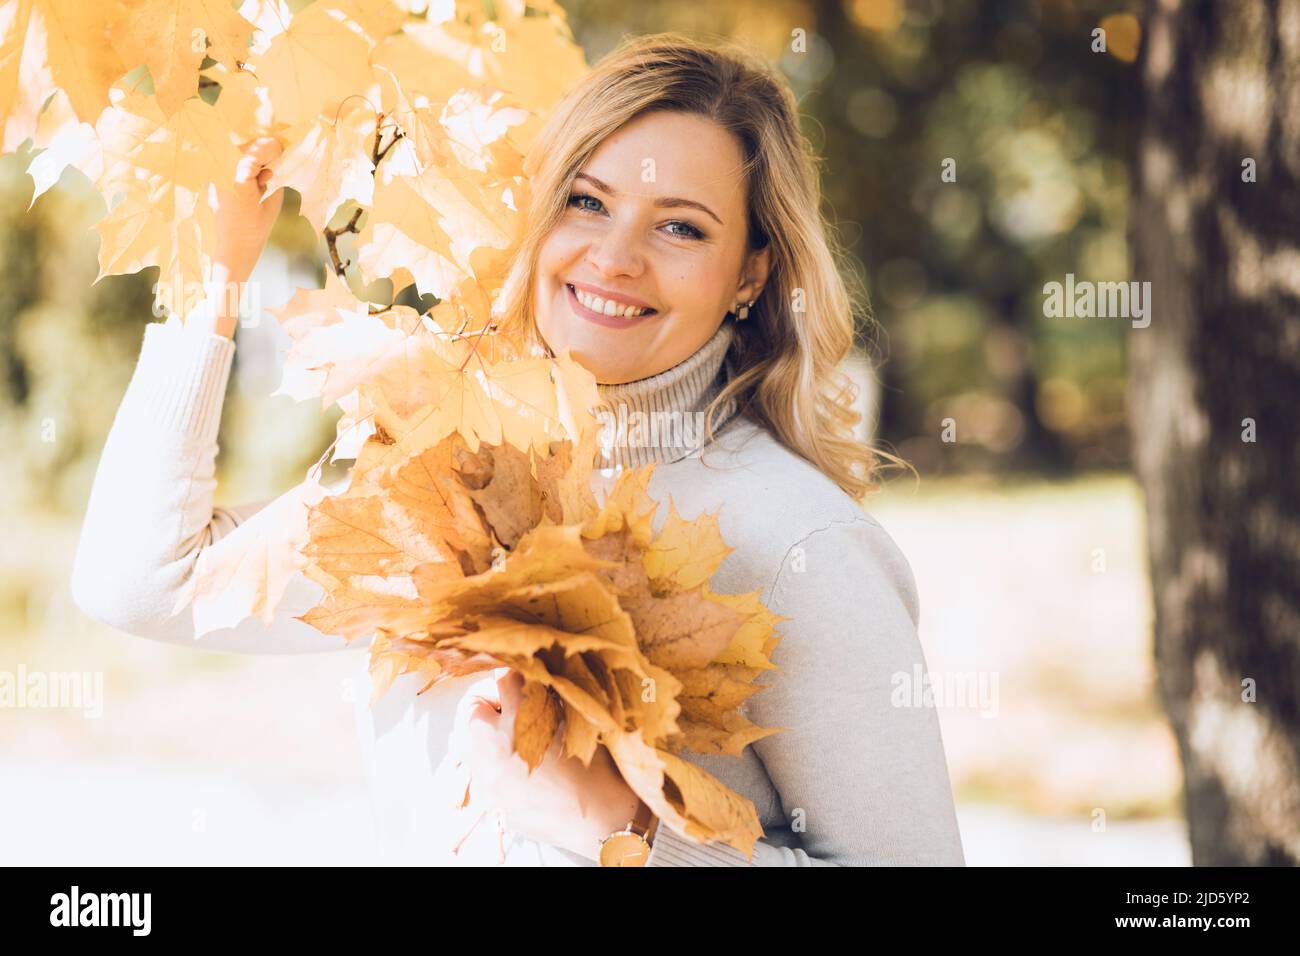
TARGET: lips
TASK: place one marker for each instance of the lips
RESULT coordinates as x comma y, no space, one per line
612,321
610,294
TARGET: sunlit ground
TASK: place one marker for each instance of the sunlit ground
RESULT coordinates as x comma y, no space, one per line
1034,594
1040,591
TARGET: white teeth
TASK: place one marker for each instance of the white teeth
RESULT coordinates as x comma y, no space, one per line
607,306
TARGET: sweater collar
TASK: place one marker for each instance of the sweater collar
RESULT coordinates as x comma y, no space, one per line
661,418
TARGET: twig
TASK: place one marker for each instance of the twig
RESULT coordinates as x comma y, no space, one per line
376,157
331,242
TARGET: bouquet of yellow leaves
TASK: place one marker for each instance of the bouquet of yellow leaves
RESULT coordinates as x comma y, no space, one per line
471,541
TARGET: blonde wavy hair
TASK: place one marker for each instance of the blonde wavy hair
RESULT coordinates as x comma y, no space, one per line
785,359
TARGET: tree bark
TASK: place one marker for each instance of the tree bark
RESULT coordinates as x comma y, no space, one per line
1220,84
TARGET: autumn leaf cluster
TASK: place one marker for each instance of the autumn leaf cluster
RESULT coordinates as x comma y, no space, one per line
152,99
469,538
506,559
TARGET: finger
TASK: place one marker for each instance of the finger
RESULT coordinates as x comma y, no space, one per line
256,156
486,687
271,198
469,700
264,149
472,709
248,171
485,722
511,690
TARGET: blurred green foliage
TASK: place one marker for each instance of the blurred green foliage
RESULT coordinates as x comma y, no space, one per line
68,346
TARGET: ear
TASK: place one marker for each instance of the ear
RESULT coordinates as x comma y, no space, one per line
758,263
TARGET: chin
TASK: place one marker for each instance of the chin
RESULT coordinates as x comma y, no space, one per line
606,353
596,357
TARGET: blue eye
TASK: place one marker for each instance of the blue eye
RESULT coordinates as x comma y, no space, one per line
580,201
690,233
576,200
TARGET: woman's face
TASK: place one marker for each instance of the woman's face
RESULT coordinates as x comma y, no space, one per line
651,251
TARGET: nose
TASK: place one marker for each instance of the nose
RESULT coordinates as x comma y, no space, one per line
617,252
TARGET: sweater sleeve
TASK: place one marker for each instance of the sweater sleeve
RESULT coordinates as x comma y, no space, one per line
151,513
861,775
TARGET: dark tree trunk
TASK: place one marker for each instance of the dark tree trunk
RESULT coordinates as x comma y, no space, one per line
1220,84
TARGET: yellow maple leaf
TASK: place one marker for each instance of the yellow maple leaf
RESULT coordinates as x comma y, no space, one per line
241,102
627,505
445,383
307,365
157,175
193,147
319,61
532,59
537,721
158,223
54,44
753,641
172,37
683,795
431,223
329,162
246,572
63,140
685,554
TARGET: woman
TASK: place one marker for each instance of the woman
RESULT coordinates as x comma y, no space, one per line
675,246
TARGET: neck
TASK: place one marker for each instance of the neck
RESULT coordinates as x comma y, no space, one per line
660,419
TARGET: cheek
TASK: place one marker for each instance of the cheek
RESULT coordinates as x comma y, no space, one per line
562,246
555,261
698,284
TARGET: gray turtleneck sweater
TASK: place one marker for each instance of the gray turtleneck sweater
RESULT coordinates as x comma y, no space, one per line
859,778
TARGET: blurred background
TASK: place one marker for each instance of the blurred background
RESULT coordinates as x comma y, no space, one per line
1026,532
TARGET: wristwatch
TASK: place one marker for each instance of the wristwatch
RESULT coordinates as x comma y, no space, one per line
630,846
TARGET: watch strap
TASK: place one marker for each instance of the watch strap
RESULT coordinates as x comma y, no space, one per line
644,820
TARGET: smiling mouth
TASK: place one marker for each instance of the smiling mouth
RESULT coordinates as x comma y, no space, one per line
597,310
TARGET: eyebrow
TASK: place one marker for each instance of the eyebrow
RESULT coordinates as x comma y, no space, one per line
663,203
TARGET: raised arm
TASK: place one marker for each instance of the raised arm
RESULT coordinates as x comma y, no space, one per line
151,511
863,780
151,508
